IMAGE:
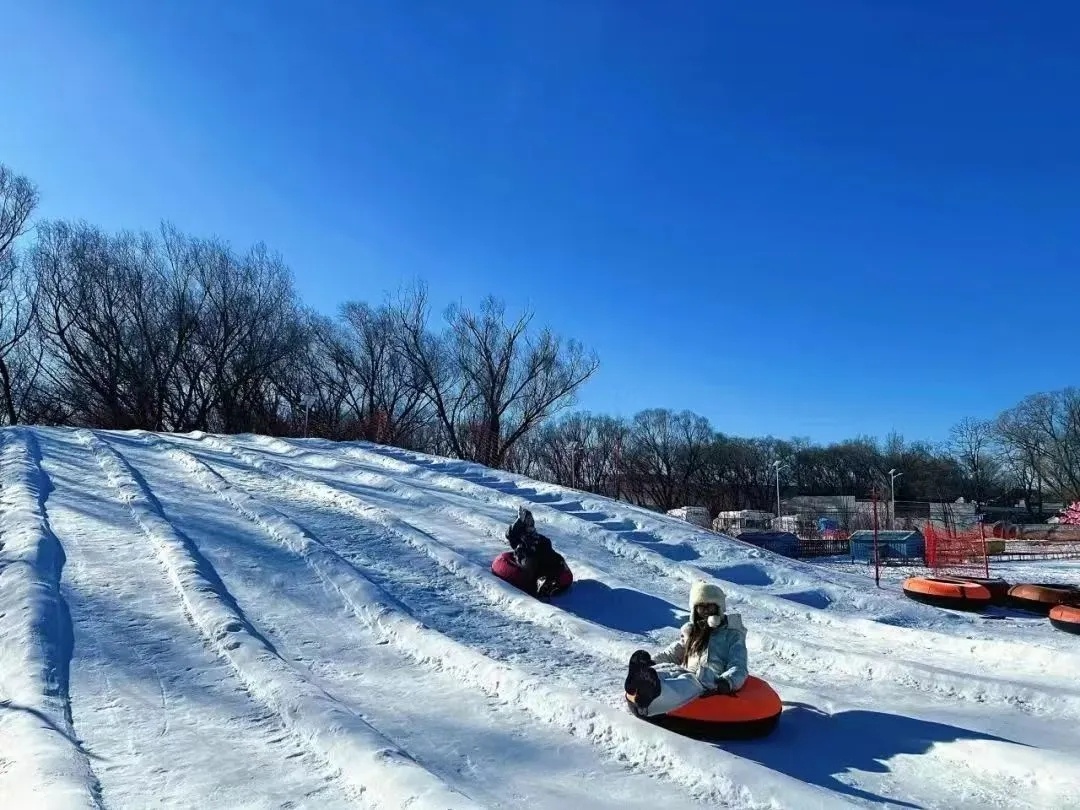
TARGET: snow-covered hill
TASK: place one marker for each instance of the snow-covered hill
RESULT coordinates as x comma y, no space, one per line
243,622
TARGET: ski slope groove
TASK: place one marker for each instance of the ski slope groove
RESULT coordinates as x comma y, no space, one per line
196,620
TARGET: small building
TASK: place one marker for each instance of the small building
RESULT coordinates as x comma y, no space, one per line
784,543
698,515
900,545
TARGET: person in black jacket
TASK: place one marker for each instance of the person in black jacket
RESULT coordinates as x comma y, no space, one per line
534,555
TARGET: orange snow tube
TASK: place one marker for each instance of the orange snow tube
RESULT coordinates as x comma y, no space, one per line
998,587
947,592
751,712
1067,618
1040,598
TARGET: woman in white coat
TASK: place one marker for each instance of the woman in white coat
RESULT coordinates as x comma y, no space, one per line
710,656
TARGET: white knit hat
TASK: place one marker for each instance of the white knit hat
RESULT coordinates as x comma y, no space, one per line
705,593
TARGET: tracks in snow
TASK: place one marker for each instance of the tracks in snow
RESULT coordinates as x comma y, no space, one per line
784,658
651,750
918,644
366,759
42,762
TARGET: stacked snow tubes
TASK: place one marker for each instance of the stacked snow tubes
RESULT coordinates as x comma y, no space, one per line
948,592
1042,598
1066,618
998,587
751,712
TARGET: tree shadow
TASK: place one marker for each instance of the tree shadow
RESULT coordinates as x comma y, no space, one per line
8,706
817,747
618,608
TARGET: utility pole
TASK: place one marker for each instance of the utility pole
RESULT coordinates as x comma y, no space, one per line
778,466
893,475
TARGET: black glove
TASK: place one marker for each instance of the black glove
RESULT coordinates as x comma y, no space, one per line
723,687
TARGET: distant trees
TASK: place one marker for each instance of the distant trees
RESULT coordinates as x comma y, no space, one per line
166,331
19,360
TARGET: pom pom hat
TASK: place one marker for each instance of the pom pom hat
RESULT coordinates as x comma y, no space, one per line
704,593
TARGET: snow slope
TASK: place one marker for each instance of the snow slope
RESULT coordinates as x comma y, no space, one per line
196,620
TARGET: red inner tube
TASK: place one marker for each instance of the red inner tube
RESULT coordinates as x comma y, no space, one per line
753,711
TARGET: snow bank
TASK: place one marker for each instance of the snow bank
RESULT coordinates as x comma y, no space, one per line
366,759
710,774
42,763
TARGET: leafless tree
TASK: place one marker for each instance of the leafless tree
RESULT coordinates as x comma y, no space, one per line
19,362
972,443
1042,433
249,328
112,314
489,381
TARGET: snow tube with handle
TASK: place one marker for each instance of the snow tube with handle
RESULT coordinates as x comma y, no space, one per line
1040,598
1066,618
751,712
947,592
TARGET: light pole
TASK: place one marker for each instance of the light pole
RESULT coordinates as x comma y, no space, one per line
893,475
778,465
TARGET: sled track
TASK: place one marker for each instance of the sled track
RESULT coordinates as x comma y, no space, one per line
330,728
785,659
36,641
984,652
618,734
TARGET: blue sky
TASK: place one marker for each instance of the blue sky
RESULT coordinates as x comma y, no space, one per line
819,219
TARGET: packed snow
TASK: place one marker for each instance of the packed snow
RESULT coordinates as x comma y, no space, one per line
245,622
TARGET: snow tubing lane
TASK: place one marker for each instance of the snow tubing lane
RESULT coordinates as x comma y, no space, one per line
1040,598
998,587
1066,618
753,711
947,592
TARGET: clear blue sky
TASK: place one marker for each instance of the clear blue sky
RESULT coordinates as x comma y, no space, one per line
820,219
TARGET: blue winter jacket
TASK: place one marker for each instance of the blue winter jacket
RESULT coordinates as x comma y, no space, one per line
724,657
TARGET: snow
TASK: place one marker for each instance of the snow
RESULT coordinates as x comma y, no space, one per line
240,621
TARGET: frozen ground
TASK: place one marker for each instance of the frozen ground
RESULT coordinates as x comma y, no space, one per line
243,622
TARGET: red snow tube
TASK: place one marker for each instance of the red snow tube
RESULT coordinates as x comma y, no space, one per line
947,592
505,568
751,712
1067,618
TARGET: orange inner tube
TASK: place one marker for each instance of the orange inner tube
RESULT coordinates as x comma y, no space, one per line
947,588
755,701
1066,614
1044,594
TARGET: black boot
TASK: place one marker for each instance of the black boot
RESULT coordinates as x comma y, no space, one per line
643,684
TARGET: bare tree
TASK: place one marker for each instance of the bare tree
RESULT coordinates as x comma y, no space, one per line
489,381
19,363
972,444
1042,433
249,329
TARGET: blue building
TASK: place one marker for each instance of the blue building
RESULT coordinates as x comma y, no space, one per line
892,545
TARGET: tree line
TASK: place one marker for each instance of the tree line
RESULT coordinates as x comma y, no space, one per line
166,331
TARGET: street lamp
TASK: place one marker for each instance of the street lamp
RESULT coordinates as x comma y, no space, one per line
893,475
778,465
